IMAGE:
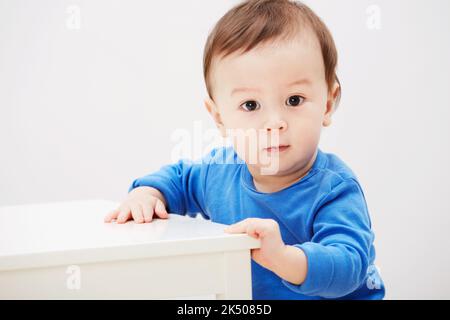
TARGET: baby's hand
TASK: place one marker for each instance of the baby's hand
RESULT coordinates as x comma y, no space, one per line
266,230
141,204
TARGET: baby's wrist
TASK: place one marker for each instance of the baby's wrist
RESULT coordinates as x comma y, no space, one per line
291,265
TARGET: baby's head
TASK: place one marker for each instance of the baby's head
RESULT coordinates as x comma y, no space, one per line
270,73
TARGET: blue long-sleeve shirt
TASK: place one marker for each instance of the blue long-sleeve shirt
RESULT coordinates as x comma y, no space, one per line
324,214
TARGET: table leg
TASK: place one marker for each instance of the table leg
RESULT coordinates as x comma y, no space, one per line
237,276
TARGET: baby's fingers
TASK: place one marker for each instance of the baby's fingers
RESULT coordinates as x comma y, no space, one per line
112,215
124,214
160,210
148,212
136,212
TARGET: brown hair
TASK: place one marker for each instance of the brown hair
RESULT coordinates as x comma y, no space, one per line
253,22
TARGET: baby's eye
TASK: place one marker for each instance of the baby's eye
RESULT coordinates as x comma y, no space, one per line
295,100
250,105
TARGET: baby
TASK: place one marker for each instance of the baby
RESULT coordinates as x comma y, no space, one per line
270,73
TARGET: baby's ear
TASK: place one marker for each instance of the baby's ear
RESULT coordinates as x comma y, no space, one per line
331,104
213,110
328,113
326,122
209,105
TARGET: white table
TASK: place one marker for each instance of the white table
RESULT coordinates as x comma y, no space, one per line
65,251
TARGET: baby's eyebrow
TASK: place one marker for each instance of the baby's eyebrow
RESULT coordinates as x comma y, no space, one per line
299,82
304,81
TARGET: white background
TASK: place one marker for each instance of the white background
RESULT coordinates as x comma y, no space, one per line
85,111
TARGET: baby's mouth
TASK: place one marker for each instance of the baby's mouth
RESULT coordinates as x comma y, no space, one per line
279,148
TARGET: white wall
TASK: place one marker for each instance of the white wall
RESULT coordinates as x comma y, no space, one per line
85,111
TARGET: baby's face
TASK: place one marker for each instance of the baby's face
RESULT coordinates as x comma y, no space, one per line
275,94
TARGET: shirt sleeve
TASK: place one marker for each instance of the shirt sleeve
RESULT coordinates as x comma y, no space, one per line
182,185
339,251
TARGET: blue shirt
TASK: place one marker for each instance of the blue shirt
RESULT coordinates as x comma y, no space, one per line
324,214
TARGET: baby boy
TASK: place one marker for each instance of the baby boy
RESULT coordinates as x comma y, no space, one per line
270,74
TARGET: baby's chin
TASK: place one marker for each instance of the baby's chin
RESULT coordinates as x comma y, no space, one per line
281,165
275,166
273,169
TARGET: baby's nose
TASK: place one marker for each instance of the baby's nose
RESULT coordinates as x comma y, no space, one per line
277,124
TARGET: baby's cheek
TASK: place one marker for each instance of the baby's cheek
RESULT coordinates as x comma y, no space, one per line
246,145
306,140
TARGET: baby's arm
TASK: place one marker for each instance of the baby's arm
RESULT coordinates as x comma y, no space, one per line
181,185
339,252
334,262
